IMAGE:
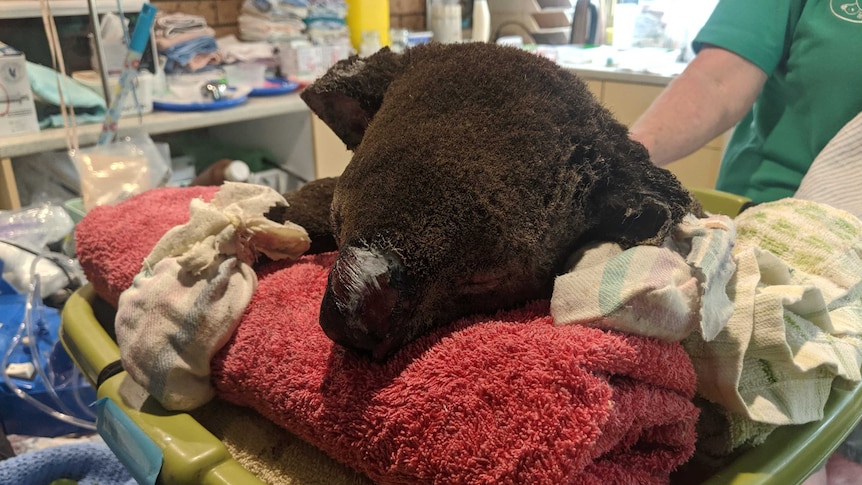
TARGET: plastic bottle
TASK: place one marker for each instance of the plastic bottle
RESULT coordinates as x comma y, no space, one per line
481,21
446,21
224,170
367,15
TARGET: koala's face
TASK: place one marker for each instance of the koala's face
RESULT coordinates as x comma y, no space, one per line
477,171
420,247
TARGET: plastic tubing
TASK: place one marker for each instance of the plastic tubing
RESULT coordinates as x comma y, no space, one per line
47,376
34,303
35,355
30,399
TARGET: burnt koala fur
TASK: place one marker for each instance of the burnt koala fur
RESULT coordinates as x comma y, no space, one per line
477,171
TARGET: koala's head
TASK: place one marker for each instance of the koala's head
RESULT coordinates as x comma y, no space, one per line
477,170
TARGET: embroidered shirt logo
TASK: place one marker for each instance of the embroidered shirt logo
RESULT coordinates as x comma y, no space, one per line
849,11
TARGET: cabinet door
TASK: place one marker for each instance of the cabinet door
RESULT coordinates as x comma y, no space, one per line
331,156
595,87
628,101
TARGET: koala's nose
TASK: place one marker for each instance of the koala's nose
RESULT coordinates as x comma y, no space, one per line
362,305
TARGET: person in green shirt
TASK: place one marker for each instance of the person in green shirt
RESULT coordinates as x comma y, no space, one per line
783,72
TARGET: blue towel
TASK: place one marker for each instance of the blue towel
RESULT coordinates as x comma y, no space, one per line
85,463
90,107
180,55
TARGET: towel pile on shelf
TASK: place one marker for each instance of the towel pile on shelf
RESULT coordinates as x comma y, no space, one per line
325,24
187,42
272,20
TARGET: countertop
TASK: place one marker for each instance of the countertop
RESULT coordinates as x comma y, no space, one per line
604,63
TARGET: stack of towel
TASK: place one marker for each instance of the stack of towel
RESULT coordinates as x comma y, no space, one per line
503,398
325,23
187,41
273,20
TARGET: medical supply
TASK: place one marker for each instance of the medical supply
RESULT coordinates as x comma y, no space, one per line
17,109
224,170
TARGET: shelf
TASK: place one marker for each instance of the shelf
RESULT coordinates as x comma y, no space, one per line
154,123
22,9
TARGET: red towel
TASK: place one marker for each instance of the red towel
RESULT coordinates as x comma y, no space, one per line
112,241
502,399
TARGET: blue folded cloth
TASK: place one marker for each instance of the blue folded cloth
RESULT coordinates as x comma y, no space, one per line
180,55
85,463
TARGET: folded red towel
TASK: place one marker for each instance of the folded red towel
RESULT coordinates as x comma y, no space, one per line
508,398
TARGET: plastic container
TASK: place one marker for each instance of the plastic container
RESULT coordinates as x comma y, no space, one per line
446,21
245,74
365,16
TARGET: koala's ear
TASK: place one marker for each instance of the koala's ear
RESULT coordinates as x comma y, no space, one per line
641,207
350,93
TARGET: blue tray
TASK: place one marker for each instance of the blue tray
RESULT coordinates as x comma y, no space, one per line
168,105
275,86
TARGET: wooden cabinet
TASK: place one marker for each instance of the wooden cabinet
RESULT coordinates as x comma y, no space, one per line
627,101
331,156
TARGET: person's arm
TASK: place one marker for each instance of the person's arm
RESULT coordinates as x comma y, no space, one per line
713,93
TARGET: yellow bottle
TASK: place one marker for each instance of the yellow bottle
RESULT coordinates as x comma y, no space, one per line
368,15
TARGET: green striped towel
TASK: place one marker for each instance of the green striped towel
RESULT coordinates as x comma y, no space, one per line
769,306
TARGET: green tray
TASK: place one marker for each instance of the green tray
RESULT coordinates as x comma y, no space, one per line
191,454
194,455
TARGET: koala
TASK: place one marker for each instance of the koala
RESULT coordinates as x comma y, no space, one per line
477,170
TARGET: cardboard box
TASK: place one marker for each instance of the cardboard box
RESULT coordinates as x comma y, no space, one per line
17,109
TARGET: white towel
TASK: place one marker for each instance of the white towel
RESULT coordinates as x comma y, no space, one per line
664,292
770,318
193,288
835,175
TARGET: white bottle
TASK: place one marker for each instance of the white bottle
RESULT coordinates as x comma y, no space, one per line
481,21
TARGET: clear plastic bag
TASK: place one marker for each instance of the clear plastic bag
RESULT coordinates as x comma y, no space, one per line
36,226
115,171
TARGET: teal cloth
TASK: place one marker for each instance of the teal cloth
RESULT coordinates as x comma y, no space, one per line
89,106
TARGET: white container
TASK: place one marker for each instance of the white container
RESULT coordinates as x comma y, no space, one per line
446,21
143,90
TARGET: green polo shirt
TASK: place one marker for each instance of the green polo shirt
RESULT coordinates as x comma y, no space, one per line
812,53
